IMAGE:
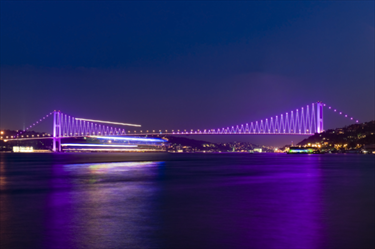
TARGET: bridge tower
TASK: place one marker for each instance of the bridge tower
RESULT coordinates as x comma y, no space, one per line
319,117
56,130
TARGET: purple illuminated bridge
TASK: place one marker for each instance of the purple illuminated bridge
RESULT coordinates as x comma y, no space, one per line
302,121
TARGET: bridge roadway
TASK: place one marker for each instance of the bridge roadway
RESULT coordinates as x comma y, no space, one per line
215,133
159,134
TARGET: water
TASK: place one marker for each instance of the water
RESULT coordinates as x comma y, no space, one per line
187,201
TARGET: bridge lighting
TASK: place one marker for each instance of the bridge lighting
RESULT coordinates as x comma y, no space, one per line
107,122
99,145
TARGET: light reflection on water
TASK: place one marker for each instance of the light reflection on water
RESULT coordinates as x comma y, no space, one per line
111,167
189,201
245,206
117,211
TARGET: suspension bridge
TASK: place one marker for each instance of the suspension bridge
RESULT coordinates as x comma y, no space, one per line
306,120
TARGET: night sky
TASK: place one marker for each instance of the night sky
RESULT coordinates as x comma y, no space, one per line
186,65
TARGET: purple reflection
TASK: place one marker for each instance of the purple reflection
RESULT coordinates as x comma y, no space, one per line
96,206
276,207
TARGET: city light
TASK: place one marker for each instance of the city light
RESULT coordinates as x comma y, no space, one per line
22,149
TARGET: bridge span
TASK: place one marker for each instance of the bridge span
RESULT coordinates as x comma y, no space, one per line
304,121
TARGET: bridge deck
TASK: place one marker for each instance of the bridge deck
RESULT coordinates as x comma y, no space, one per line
160,134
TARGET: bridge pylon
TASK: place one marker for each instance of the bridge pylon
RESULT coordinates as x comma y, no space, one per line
319,117
56,130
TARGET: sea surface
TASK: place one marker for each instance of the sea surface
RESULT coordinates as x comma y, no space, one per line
188,201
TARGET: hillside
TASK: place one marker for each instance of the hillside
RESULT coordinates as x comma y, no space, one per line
356,136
